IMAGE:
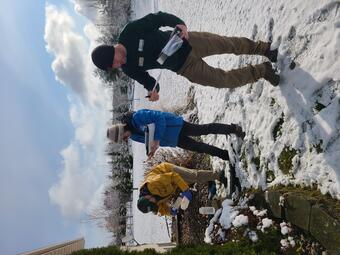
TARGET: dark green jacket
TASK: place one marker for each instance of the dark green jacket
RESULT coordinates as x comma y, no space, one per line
144,42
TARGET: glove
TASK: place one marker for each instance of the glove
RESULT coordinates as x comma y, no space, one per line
187,193
173,211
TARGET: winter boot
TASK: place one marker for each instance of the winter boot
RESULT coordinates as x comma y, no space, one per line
223,154
271,54
211,190
270,75
223,179
237,130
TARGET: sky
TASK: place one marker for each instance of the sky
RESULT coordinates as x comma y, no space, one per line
53,117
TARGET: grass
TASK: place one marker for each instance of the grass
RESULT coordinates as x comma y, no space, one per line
243,159
285,159
277,130
257,162
318,146
270,176
232,248
318,106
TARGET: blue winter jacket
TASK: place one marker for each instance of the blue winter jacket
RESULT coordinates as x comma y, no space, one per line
167,126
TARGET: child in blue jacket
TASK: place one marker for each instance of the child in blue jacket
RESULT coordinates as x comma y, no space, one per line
171,131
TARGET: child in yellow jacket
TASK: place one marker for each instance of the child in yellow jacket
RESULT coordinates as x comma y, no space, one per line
162,181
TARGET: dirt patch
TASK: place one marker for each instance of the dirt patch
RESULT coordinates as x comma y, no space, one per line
190,223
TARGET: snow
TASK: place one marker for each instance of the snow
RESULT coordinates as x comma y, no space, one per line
284,243
309,31
266,223
210,228
148,228
240,220
285,229
259,213
228,213
252,208
287,242
253,236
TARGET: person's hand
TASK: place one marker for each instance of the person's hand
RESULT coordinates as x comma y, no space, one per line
154,147
184,31
173,211
187,193
153,95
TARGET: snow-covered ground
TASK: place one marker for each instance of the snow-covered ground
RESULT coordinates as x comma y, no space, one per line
308,97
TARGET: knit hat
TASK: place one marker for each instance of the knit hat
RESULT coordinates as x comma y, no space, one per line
102,56
145,205
115,133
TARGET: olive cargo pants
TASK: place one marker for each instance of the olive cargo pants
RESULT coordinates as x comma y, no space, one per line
196,176
206,44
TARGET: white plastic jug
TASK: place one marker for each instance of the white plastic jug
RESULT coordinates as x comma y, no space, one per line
171,47
184,203
207,210
177,203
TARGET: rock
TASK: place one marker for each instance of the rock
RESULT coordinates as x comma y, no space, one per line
258,200
273,200
325,229
297,209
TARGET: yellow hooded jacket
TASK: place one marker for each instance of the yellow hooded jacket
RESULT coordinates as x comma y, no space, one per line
163,182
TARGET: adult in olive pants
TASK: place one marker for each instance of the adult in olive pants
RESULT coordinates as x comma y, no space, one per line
141,42
207,44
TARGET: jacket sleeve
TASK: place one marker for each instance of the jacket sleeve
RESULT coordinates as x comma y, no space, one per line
137,138
176,178
144,117
153,21
142,77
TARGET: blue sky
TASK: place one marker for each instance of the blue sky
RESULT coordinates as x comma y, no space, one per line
41,121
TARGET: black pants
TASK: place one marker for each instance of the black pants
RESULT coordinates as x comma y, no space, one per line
189,129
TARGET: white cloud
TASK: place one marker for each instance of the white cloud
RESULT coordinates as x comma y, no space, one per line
90,123
81,180
68,49
69,193
72,63
84,160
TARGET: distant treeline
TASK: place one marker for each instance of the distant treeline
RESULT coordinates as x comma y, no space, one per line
114,15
